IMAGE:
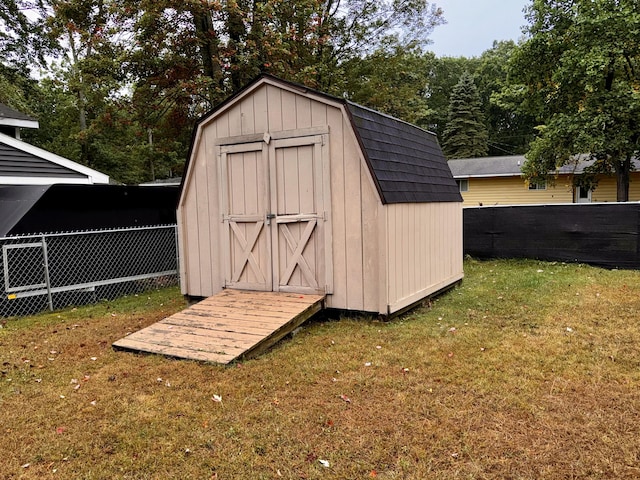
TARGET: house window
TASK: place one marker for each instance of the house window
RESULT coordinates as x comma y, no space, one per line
463,185
538,185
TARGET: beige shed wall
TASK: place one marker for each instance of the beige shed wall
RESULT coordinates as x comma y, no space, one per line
355,206
424,250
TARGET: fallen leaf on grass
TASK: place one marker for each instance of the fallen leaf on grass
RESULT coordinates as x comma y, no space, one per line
324,463
373,474
345,398
217,398
60,430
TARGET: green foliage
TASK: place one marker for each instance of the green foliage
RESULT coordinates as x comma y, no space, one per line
443,74
392,80
510,129
129,78
466,134
585,87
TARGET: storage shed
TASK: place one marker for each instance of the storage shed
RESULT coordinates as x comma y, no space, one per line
288,189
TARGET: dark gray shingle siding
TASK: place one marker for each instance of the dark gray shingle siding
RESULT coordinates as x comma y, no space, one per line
406,161
16,163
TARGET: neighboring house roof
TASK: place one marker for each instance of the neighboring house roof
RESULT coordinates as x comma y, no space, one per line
24,164
405,161
508,166
13,118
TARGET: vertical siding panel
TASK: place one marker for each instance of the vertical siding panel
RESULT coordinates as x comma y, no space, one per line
204,248
211,184
383,253
221,126
235,121
371,248
289,121
274,108
425,247
406,254
394,252
261,116
338,201
192,265
247,116
416,265
318,114
353,220
303,112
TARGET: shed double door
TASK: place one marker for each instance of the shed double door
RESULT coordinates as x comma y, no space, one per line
276,228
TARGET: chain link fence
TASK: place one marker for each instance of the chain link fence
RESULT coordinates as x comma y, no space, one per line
53,271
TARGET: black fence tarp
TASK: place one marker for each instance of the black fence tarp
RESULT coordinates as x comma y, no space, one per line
65,208
599,234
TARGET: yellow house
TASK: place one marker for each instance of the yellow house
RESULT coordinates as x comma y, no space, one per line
498,181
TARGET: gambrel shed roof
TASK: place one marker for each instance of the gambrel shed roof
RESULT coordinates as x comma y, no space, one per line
406,162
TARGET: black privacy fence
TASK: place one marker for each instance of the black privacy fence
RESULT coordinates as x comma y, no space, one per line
604,234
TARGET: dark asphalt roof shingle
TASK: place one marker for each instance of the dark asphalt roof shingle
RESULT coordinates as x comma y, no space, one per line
406,161
9,113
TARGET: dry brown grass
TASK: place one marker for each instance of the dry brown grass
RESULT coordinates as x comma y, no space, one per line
539,379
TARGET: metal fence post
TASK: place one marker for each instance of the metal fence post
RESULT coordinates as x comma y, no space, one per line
175,234
47,280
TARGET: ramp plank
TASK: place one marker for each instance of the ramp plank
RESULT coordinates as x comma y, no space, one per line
228,326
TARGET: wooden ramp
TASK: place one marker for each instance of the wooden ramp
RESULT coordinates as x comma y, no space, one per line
230,325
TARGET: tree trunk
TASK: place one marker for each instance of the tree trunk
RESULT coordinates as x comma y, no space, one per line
208,42
622,178
237,32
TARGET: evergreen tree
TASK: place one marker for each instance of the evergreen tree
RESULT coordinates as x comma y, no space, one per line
466,134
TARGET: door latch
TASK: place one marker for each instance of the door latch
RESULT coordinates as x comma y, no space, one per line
270,216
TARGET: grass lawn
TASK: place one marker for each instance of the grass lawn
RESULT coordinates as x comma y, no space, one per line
528,370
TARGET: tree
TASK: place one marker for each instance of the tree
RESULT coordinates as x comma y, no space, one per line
510,129
392,80
442,76
579,73
466,134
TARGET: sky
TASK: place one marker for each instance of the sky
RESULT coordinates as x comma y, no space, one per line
473,25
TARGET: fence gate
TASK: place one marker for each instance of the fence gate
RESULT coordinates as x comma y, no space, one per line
25,270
